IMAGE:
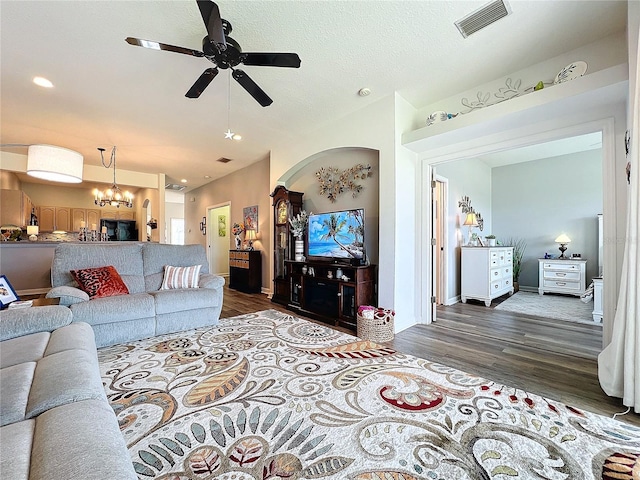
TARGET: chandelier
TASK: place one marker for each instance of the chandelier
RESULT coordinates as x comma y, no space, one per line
112,196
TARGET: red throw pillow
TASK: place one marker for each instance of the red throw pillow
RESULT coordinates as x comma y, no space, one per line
100,282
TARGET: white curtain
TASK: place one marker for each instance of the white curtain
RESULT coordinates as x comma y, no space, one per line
619,362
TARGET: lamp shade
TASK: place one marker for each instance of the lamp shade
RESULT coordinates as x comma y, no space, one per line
55,164
471,220
32,229
250,235
563,239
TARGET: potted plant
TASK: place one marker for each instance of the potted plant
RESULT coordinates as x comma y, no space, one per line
519,246
491,240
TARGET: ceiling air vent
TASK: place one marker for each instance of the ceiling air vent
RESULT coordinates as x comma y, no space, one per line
223,160
484,16
175,187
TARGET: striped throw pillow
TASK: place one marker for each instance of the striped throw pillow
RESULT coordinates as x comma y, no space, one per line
180,277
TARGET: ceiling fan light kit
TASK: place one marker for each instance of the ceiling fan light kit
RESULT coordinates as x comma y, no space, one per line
224,52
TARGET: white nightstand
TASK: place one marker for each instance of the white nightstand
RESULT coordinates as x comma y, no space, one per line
597,299
562,276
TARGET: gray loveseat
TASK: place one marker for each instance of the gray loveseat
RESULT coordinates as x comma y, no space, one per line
55,420
147,311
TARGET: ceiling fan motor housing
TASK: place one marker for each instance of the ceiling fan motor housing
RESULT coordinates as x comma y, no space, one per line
229,58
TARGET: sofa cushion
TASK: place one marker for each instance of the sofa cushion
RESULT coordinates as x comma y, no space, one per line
64,377
80,441
114,309
16,383
156,255
15,455
23,321
169,301
124,256
100,282
77,336
23,349
68,295
180,277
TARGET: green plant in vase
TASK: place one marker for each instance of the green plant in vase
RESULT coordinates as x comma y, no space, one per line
491,240
519,246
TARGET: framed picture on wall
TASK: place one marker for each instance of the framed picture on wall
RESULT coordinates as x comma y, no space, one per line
250,216
7,293
222,225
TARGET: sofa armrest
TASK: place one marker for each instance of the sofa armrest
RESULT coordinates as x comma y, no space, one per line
24,321
208,280
68,295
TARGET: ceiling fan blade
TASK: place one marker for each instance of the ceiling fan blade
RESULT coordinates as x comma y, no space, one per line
250,86
291,60
202,82
211,16
162,46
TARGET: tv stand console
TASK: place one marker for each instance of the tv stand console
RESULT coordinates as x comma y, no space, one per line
316,291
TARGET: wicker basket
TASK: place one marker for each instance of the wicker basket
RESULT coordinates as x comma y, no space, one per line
375,324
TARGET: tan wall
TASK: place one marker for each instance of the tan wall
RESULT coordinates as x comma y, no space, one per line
244,188
58,196
9,181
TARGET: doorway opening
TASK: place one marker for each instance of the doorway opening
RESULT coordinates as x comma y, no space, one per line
218,238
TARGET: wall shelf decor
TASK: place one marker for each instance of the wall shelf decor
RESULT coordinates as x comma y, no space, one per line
334,182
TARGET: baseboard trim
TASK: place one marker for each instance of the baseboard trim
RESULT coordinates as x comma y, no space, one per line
33,291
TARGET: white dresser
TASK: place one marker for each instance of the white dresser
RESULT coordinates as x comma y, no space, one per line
597,299
487,273
562,276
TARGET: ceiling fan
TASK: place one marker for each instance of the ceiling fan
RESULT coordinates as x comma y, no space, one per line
224,52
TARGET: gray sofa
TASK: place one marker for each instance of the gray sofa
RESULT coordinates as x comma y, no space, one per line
55,420
147,311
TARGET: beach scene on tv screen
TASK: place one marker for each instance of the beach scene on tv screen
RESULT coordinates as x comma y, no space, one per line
337,234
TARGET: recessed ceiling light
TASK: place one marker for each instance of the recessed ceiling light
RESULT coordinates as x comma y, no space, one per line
42,82
207,176
363,92
184,180
237,137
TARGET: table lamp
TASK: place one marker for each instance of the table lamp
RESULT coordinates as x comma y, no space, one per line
471,221
562,240
32,231
250,235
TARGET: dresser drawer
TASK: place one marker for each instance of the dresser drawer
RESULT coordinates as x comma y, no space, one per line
561,267
562,285
566,275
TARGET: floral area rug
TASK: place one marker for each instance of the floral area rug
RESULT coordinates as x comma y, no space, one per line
271,396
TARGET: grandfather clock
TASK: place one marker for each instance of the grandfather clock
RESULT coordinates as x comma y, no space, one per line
286,204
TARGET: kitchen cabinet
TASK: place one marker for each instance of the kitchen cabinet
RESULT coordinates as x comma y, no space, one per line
16,208
88,215
54,218
118,214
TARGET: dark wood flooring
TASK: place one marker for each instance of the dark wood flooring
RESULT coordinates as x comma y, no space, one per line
555,359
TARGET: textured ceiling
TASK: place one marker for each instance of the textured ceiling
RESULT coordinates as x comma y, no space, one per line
110,93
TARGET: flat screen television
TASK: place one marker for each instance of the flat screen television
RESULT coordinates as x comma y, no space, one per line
336,235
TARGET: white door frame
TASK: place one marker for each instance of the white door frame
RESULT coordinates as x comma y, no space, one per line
482,146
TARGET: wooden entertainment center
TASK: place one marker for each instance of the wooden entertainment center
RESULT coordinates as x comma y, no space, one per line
323,295
316,287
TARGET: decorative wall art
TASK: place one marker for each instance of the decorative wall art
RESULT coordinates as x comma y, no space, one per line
222,225
334,181
511,89
203,225
465,205
250,216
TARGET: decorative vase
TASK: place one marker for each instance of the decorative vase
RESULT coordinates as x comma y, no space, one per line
238,242
299,250
492,242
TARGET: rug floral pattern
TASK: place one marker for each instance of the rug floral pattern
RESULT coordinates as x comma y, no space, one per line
270,396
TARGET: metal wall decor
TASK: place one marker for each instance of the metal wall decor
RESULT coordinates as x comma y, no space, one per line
465,205
334,182
203,226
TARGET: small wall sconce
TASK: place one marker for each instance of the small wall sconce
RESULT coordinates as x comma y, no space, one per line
562,240
250,235
203,226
